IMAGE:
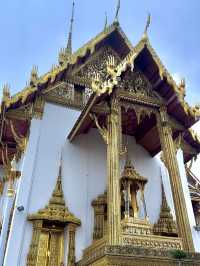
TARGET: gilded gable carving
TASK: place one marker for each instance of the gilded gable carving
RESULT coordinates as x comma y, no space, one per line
135,82
64,91
97,64
87,93
65,94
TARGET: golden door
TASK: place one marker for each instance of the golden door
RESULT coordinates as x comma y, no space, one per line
50,249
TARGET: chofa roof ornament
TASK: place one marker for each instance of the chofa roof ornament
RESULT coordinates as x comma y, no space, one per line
145,34
116,20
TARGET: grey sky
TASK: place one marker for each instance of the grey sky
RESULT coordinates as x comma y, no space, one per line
33,31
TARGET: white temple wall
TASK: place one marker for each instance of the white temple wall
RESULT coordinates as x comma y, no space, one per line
55,124
5,186
196,165
3,201
84,177
195,234
14,251
3,195
152,169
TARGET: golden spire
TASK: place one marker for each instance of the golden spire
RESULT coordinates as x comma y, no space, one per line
56,210
69,42
166,225
106,21
65,53
57,196
117,11
147,26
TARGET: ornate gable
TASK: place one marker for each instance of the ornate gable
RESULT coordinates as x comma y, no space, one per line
135,84
97,63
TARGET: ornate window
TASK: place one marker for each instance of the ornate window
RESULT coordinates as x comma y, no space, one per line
47,246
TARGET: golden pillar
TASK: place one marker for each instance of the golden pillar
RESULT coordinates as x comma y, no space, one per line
71,249
33,253
113,149
169,154
99,223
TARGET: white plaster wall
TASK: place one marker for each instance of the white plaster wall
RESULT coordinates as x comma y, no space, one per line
196,165
3,195
19,221
84,174
195,234
152,169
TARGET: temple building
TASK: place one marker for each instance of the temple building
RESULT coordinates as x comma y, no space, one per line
96,161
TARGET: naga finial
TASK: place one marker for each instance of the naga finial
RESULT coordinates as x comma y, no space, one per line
181,87
34,75
117,11
6,92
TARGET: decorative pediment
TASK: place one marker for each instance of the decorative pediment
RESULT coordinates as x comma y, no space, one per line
135,83
66,94
97,64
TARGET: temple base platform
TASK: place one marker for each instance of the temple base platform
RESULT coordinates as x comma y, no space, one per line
101,254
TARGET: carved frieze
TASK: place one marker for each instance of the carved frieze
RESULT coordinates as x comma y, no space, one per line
153,242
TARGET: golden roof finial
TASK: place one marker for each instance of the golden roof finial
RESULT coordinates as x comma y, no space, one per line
145,36
61,57
34,75
181,87
6,92
106,21
117,11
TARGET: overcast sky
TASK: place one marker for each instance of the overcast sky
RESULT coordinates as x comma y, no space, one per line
33,31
